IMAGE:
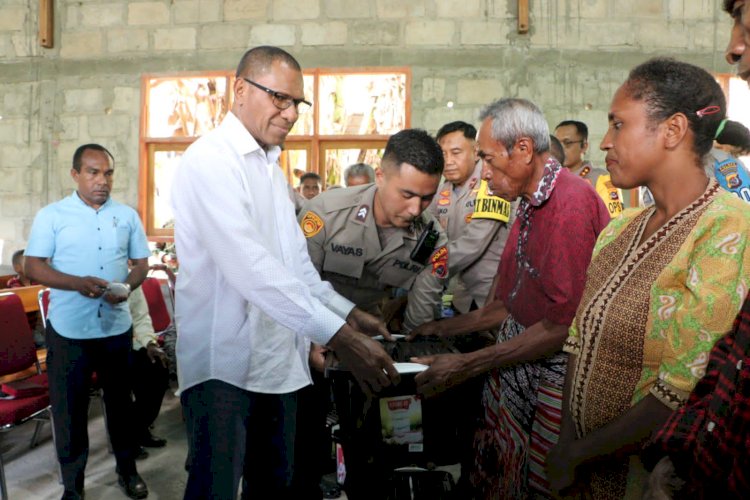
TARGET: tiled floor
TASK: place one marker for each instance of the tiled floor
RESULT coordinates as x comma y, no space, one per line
32,473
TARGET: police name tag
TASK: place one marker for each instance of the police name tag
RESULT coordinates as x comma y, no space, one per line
488,206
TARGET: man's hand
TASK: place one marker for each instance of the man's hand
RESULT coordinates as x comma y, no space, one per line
429,329
317,358
155,353
445,371
366,359
91,286
367,324
393,313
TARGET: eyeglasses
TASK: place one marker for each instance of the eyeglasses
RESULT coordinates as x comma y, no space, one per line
567,144
280,100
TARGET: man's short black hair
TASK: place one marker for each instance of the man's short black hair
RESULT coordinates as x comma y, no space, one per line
258,59
728,4
735,134
17,256
310,175
581,128
469,130
556,149
417,148
95,147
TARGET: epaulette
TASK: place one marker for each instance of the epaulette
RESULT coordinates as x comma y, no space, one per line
340,199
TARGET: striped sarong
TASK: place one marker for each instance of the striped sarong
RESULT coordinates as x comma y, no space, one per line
522,415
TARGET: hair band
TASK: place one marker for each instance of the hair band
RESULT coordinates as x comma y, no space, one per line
721,128
708,110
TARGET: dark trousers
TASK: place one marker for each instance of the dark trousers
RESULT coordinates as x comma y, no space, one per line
150,382
70,365
235,433
313,446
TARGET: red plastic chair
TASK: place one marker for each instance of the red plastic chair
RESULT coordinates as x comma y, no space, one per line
157,306
17,354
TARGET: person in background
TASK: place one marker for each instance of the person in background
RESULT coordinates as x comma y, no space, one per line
541,276
20,279
556,149
574,136
359,174
722,162
150,373
249,302
475,221
79,247
310,185
664,284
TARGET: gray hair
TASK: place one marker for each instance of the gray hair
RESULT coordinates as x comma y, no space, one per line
360,169
514,118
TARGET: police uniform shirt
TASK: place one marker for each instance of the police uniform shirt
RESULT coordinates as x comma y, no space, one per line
474,243
601,181
344,246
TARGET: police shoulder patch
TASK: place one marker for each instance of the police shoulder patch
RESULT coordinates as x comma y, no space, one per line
311,224
439,261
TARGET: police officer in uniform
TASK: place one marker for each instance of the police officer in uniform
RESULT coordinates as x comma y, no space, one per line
574,136
369,241
364,240
476,232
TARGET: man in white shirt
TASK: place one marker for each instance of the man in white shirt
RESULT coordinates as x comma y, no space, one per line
249,302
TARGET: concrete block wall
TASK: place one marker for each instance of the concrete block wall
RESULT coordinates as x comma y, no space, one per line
462,53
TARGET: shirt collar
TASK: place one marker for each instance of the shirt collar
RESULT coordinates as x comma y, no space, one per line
243,142
77,199
547,183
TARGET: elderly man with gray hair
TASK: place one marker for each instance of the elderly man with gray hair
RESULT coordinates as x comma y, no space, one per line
540,280
359,174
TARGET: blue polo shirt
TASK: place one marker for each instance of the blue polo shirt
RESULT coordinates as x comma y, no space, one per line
85,242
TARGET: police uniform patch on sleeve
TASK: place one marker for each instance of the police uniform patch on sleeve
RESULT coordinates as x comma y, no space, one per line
439,260
311,224
488,206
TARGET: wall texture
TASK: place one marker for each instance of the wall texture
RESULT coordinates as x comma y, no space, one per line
467,52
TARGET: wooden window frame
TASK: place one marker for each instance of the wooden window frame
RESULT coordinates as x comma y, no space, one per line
314,143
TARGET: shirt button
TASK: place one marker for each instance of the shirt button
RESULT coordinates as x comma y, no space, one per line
100,248
98,229
710,426
739,365
101,268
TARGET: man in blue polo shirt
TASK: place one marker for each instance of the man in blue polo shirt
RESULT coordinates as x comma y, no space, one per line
79,247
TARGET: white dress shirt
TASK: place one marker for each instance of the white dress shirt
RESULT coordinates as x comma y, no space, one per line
249,301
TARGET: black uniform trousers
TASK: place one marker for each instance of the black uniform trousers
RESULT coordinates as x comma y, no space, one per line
70,366
150,382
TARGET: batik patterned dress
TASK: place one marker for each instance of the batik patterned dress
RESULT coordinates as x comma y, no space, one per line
650,314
